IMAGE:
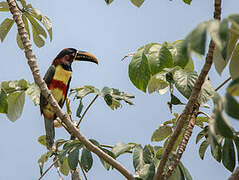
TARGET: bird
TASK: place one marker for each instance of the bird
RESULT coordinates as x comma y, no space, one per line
58,78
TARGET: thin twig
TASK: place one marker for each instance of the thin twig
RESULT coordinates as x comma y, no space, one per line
43,174
32,62
192,100
224,82
127,55
107,146
207,115
82,169
88,107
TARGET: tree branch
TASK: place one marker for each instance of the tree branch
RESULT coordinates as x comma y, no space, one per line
223,83
46,93
182,146
192,100
234,175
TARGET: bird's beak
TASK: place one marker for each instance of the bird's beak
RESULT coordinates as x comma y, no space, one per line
85,56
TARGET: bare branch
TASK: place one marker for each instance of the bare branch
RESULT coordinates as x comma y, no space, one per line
192,100
46,93
223,83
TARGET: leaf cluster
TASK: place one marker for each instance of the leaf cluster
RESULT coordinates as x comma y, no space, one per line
12,97
29,15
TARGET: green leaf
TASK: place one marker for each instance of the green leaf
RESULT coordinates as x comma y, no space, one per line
113,97
42,140
216,152
120,148
236,141
64,168
42,160
180,53
189,67
234,64
86,159
218,60
142,161
108,2
93,141
185,172
187,1
16,102
3,102
37,30
33,92
202,149
161,133
5,27
228,155
224,36
79,109
201,134
222,125
231,106
158,83
83,91
139,71
176,175
146,172
233,38
137,3
73,158
4,6
175,100
184,82
46,22
233,87
197,39
12,86
159,58
200,120
138,160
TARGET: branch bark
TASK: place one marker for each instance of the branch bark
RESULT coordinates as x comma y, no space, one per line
235,175
45,91
183,144
192,100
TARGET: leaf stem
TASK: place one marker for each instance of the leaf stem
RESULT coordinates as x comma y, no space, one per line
83,171
43,174
223,83
88,107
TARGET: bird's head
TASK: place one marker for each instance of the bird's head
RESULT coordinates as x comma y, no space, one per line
68,55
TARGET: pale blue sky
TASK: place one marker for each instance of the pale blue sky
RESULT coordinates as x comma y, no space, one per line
109,32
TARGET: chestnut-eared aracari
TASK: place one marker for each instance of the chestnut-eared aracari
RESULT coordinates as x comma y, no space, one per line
58,78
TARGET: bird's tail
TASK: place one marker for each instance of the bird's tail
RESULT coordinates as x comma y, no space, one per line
50,132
